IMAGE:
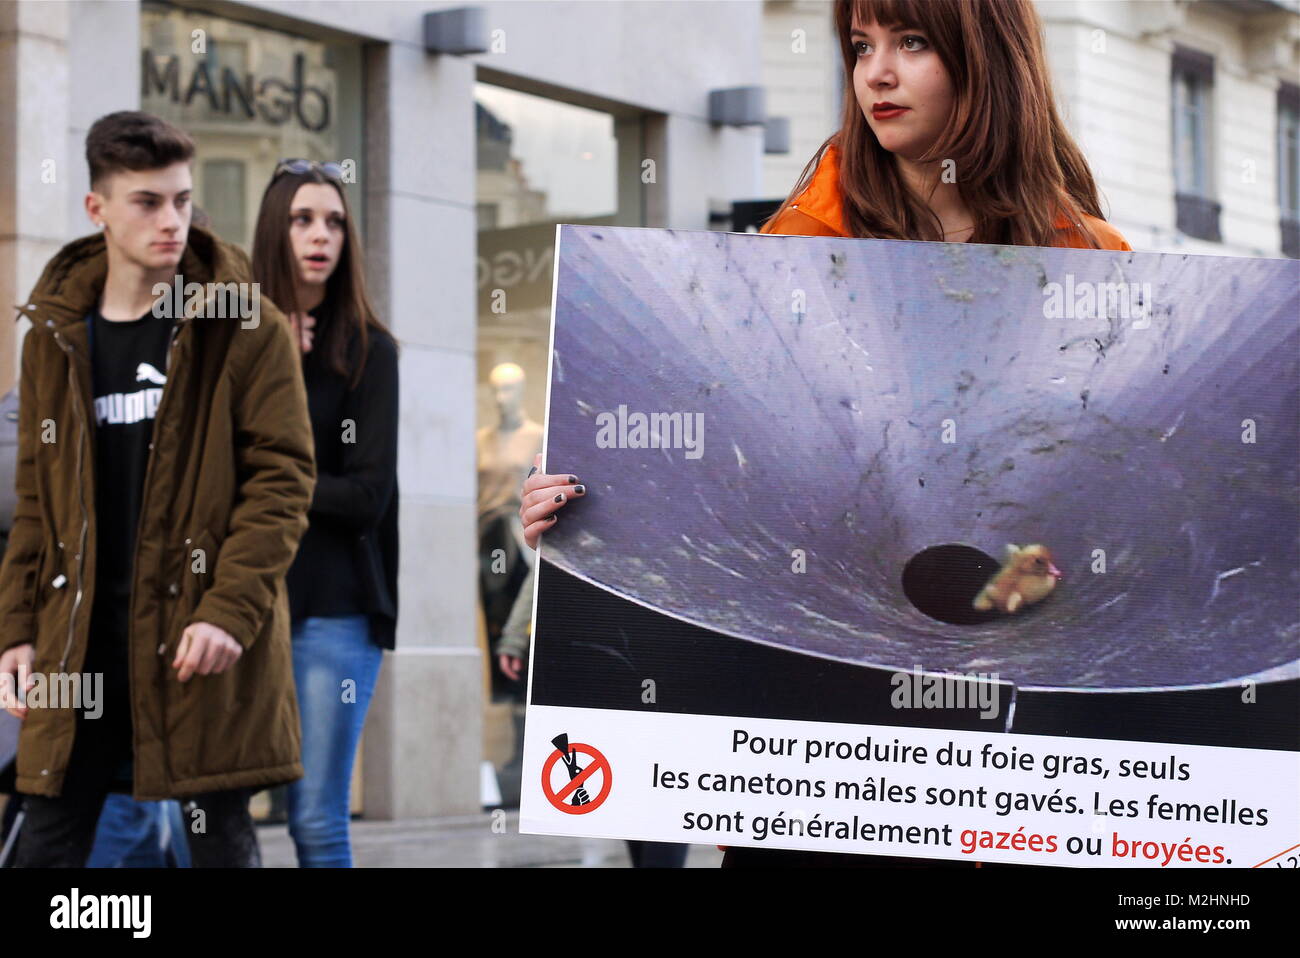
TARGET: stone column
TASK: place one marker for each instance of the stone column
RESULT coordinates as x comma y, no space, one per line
35,175
423,739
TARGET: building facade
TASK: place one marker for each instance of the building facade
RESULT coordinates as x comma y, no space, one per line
460,165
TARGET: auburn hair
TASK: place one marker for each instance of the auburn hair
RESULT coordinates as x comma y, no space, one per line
345,319
1016,166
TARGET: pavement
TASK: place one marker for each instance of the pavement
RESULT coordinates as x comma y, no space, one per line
490,840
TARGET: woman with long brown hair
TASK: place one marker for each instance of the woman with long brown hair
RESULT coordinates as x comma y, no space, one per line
949,133
343,583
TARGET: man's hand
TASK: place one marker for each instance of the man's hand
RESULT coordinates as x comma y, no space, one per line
205,649
20,656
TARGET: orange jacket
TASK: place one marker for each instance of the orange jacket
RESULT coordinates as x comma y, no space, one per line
819,211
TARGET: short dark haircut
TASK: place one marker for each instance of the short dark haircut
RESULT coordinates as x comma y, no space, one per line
132,140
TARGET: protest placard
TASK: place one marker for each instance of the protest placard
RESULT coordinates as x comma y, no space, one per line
921,549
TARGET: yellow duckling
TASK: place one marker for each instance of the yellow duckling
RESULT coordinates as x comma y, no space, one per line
1027,576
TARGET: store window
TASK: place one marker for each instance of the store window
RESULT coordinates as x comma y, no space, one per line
223,196
542,161
539,162
250,96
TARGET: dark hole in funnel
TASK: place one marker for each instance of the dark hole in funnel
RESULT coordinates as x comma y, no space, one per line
942,581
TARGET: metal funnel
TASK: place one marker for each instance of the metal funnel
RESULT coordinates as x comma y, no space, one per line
865,400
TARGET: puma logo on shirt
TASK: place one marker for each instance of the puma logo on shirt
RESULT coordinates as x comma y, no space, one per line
145,371
128,372
125,408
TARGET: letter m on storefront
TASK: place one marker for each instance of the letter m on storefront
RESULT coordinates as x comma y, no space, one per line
164,83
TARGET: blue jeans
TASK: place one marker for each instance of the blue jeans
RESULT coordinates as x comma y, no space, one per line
335,667
133,834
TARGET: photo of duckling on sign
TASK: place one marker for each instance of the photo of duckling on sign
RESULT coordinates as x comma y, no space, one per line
823,446
1027,576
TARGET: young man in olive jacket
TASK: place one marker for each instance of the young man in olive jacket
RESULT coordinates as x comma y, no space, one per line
164,473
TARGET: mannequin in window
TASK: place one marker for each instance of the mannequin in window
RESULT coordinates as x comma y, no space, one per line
505,453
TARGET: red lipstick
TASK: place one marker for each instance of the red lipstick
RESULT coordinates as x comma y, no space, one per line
887,111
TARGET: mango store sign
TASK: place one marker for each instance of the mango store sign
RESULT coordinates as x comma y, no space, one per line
272,99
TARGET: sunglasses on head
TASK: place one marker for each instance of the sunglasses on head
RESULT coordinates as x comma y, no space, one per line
299,166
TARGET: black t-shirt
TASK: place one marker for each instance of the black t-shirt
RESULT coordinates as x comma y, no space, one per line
128,360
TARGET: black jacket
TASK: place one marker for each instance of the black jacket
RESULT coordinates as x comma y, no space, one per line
347,562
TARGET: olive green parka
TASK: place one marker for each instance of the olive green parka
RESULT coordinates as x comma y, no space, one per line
228,485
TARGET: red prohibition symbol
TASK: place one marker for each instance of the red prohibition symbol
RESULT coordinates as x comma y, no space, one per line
573,798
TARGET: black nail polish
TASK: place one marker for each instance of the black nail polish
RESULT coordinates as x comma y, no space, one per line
573,479
560,497
531,471
552,517
579,488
